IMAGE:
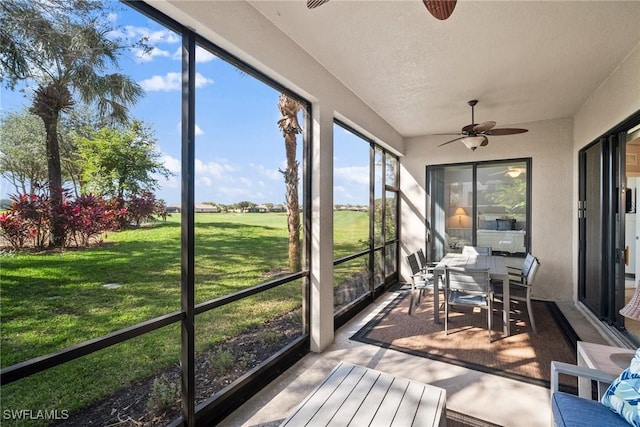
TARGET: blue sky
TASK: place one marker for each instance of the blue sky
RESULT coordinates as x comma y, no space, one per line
239,148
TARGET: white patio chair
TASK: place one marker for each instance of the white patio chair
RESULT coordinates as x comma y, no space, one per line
470,287
521,284
420,280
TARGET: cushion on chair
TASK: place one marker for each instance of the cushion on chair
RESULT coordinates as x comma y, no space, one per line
573,411
623,395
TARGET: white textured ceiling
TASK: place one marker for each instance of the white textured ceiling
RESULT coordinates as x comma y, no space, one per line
524,60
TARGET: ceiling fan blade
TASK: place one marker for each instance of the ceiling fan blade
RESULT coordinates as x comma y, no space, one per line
505,131
449,142
484,126
469,128
440,9
485,142
499,173
312,4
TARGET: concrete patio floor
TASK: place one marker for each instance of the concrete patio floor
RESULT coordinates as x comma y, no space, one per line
489,397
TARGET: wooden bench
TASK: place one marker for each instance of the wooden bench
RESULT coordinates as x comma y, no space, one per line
358,396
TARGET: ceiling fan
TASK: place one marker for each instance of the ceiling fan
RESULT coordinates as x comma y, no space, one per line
475,134
440,9
512,171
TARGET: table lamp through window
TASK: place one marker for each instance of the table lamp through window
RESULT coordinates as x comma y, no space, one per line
460,212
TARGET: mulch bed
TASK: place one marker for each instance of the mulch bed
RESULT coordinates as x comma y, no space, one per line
128,407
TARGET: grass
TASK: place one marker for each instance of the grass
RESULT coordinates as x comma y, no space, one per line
50,301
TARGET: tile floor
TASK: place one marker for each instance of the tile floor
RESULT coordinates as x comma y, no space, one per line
489,397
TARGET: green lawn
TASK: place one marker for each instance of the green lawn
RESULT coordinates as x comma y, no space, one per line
50,301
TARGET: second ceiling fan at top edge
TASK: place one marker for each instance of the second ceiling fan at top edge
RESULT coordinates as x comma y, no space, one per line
440,9
475,134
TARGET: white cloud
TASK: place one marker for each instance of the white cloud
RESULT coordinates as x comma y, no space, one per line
171,82
202,81
353,174
218,170
174,165
167,183
202,55
272,174
148,56
204,181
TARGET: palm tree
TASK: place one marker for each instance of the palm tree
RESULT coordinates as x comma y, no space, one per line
65,49
290,127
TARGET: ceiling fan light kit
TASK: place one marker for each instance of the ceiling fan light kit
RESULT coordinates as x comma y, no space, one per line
473,142
475,134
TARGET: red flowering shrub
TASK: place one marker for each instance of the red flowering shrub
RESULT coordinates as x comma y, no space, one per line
88,217
14,229
27,219
142,208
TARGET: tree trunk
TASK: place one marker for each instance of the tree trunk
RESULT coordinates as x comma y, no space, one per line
289,126
48,103
293,205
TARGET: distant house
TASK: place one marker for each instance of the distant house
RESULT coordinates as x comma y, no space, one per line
203,207
173,208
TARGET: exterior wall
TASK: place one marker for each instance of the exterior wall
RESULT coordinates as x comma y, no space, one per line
549,144
615,100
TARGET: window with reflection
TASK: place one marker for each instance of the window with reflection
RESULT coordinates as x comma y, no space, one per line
480,204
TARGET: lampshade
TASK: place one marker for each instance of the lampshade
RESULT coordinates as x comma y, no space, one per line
472,142
460,211
632,309
514,173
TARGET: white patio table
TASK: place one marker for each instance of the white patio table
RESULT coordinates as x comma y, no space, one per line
353,395
497,271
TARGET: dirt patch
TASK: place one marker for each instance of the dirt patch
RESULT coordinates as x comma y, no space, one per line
130,406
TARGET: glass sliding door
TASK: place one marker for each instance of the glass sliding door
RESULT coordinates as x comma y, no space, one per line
479,204
591,283
608,233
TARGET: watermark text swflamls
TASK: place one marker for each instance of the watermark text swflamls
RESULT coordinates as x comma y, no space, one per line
35,414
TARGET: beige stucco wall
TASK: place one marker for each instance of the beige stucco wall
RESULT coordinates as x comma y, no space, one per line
549,145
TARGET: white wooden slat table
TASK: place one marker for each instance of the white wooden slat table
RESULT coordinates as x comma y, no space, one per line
353,395
497,271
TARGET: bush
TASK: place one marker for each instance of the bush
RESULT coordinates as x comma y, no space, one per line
88,217
27,219
14,228
164,395
221,361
